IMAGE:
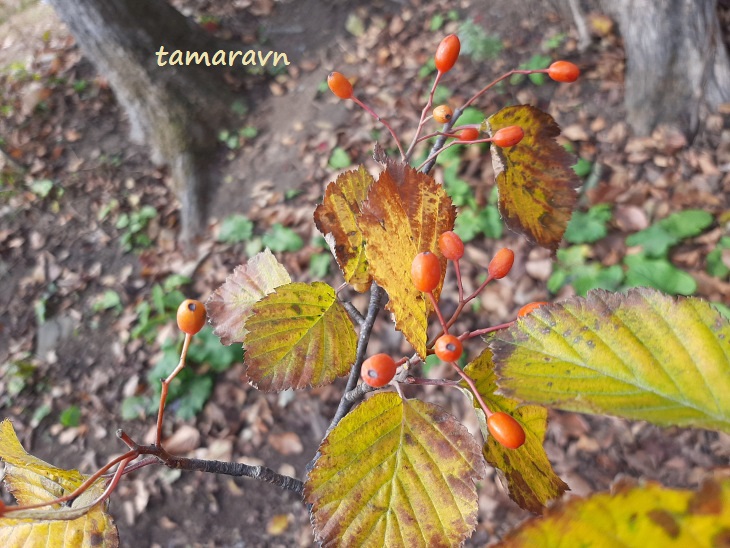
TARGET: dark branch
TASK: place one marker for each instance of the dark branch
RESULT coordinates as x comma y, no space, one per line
440,141
239,470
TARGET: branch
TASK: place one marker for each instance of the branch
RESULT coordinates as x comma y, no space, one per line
237,469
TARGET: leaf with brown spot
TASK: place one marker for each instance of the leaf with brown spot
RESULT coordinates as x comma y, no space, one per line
32,481
526,472
395,472
230,305
641,355
645,515
298,336
404,214
336,219
537,186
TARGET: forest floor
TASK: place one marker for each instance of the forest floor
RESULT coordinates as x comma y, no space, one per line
88,237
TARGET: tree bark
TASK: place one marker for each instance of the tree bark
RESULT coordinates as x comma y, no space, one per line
677,64
176,111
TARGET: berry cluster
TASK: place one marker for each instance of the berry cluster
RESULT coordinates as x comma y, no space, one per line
380,369
426,272
447,53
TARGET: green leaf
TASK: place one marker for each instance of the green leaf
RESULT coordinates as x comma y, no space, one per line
525,472
339,159
207,350
655,240
582,168
395,473
640,516
281,238
640,355
299,336
235,228
42,187
191,403
687,224
108,300
658,273
133,408
588,227
319,265
71,416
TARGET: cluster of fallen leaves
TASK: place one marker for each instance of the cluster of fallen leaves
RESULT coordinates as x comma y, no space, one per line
59,249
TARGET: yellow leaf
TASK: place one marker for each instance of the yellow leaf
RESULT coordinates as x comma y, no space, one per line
395,473
640,355
230,305
641,517
405,213
299,336
32,481
526,472
537,186
336,218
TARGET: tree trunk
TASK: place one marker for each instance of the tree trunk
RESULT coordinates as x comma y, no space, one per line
176,111
677,64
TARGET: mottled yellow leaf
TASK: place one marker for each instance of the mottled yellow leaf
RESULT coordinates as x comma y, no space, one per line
537,186
405,213
32,481
298,336
230,305
336,219
634,516
639,355
395,473
526,472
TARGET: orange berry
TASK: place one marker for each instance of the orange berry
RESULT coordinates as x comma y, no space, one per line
529,307
339,85
508,136
442,114
191,316
469,134
426,271
501,263
378,370
448,348
506,430
447,53
563,71
451,246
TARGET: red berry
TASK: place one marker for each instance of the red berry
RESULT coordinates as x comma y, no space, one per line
378,370
501,264
448,348
447,53
426,271
339,85
563,71
442,114
469,134
191,316
529,307
506,430
508,136
451,246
